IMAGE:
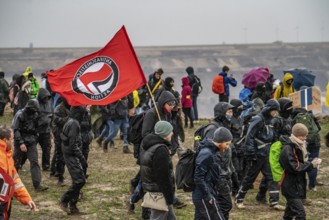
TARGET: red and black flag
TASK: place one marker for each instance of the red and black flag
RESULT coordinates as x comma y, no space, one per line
102,77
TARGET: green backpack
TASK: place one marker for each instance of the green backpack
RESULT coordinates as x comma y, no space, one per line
313,130
274,157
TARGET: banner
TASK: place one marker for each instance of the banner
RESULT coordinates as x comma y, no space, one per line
309,98
102,77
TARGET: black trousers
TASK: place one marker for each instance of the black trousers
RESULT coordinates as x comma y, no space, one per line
188,115
58,163
206,211
45,144
2,108
32,156
75,169
261,165
294,208
224,199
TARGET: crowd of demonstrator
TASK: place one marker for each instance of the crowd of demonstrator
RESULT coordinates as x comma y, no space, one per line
236,145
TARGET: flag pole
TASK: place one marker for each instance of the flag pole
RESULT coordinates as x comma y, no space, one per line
152,98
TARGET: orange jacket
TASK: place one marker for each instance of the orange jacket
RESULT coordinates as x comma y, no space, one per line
7,164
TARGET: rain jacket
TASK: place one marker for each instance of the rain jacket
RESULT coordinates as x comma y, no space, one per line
7,164
35,87
186,93
28,70
295,168
287,89
228,80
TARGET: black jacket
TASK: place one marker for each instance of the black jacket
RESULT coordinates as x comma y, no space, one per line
45,111
260,132
25,124
61,116
71,138
295,168
156,167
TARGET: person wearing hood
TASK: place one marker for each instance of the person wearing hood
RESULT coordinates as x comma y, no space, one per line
294,160
228,80
186,101
207,176
157,170
4,92
28,70
44,120
61,116
167,85
192,80
155,82
7,165
286,87
25,127
74,160
35,86
22,92
257,144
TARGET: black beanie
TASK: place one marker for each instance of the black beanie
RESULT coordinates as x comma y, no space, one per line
222,135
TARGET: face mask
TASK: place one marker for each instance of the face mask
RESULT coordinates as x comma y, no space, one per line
228,117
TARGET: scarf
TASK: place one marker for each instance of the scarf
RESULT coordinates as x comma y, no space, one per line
301,145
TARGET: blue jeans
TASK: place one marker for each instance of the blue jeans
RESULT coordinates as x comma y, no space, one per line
313,153
115,125
106,129
138,193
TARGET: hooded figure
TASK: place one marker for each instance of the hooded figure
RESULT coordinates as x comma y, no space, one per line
286,87
257,144
74,160
168,85
26,137
44,120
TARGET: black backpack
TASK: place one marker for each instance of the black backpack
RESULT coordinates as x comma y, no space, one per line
135,128
185,171
200,133
119,109
196,86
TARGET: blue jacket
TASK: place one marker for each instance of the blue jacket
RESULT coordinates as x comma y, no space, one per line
228,80
207,172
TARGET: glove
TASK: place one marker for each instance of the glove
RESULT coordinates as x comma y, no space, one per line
316,162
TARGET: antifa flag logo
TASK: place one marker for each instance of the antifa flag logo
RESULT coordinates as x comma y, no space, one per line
96,78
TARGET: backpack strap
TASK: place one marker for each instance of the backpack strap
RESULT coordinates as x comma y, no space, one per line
284,171
156,86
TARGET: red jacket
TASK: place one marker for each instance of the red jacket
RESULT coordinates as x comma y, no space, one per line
186,93
7,164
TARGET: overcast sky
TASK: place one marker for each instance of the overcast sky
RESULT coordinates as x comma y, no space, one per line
92,23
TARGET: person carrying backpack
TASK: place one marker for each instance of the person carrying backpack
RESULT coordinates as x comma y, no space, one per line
196,87
207,176
294,160
228,80
301,115
257,144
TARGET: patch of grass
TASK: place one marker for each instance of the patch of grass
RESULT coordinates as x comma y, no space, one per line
107,189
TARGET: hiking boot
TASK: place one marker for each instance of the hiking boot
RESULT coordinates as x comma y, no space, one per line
126,150
278,207
105,143
313,189
178,204
41,188
240,205
61,182
261,200
112,145
131,208
99,142
64,206
75,211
